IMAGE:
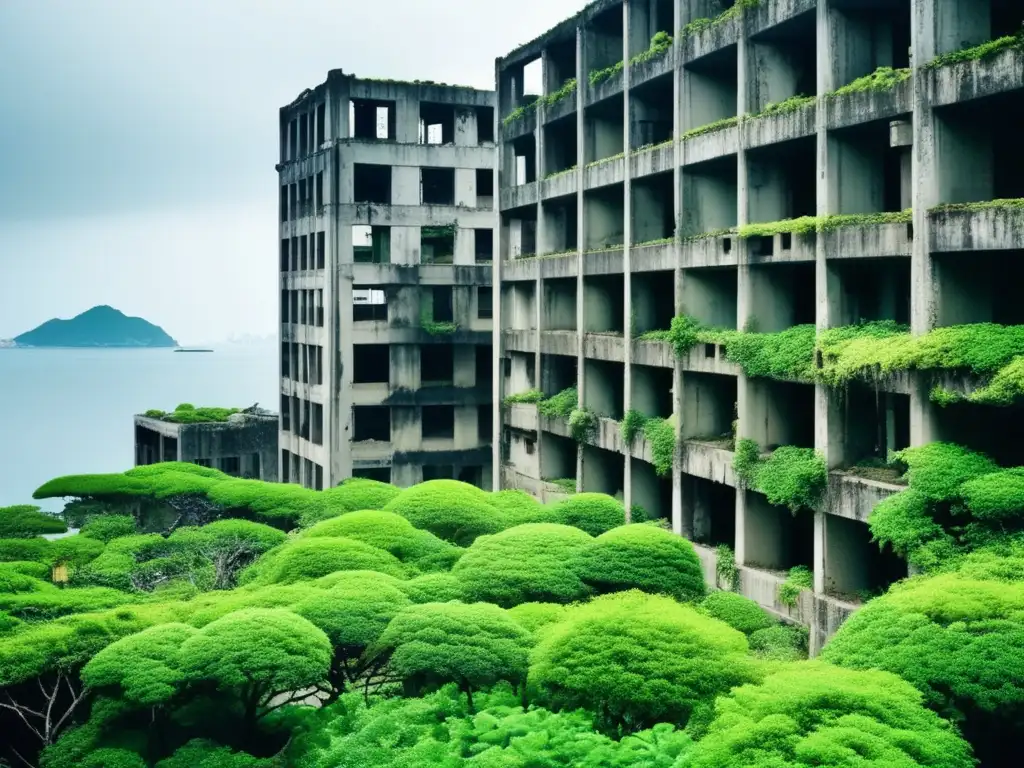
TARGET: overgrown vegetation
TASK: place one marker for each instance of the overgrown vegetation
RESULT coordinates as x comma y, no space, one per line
582,424
982,205
559,405
661,436
186,413
799,579
790,105
789,476
732,12
661,44
718,125
598,76
726,570
979,52
882,79
529,396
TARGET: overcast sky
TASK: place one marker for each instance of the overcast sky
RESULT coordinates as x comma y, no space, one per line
138,139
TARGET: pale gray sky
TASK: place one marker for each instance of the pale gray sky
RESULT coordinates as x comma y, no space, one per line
138,139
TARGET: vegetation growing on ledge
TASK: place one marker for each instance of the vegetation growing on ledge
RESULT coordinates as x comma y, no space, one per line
699,25
563,172
799,579
529,396
978,52
186,413
659,433
435,328
632,426
567,484
726,570
598,76
718,125
567,89
582,424
649,147
983,205
792,104
792,477
661,44
882,79
805,225
560,405
608,159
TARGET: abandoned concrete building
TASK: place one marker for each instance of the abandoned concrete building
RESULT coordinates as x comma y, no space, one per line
386,239
243,446
759,165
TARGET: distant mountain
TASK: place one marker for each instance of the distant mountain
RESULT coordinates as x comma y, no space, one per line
98,327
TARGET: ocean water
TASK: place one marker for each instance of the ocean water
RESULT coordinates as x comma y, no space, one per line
69,411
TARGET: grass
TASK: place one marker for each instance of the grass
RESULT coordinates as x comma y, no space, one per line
529,396
882,79
984,205
718,125
186,413
700,25
792,104
978,52
804,225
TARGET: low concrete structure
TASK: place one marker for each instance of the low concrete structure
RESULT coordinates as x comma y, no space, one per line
243,446
623,184
386,229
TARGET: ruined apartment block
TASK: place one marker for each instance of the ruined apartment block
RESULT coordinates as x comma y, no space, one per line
386,239
622,204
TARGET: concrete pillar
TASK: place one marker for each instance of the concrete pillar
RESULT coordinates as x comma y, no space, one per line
677,203
630,8
581,226
407,119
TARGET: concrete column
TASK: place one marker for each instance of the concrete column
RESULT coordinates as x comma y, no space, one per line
901,140
629,9
407,119
581,226
497,379
677,252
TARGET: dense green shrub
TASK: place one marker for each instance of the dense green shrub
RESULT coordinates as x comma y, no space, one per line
109,527
642,557
392,533
49,602
25,521
960,641
638,659
817,715
471,645
737,611
534,616
200,753
520,507
594,513
433,588
780,642
455,511
528,563
305,559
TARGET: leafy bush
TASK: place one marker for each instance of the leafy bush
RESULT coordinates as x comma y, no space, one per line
109,527
642,557
800,578
528,563
529,396
455,511
737,611
392,533
305,559
433,588
779,642
594,513
637,660
520,507
559,405
582,424
793,477
534,616
662,437
25,521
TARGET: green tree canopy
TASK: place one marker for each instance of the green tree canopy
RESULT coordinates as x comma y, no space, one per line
528,563
595,513
392,533
434,588
471,645
260,657
201,753
304,559
24,521
638,659
644,557
455,511
817,715
534,616
960,641
105,528
227,545
737,611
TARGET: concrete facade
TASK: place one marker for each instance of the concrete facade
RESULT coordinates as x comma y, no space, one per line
244,446
386,240
619,209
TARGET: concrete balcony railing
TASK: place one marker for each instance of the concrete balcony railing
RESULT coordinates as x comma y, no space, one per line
519,196
650,160
1000,73
547,492
564,107
644,71
782,247
712,145
560,184
561,265
710,38
868,241
559,343
521,126
856,107
554,424
710,358
710,251
650,257
372,450
773,128
854,497
607,261
521,416
977,228
519,269
608,435
519,340
610,86
604,172
657,354
767,15
602,346
707,461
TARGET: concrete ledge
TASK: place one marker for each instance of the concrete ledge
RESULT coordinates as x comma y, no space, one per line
546,492
563,184
515,270
303,334
460,457
428,394
519,127
558,343
389,90
559,266
865,106
604,173
608,436
992,229
415,335
801,248
709,358
554,425
657,354
652,257
411,155
312,392
714,38
648,70
870,241
607,88
710,146
656,159
417,274
774,12
707,462
369,394
766,130
519,340
372,450
414,215
599,346
719,251
609,262
564,107
521,416
968,80
854,497
519,196
641,449
304,280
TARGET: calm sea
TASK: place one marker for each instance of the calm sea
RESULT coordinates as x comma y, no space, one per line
69,411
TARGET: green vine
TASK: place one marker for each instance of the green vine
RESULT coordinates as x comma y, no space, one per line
978,52
746,459
799,579
632,425
560,405
792,477
582,424
529,396
662,437
882,79
726,570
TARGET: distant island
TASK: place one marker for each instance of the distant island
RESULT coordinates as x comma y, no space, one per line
97,327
